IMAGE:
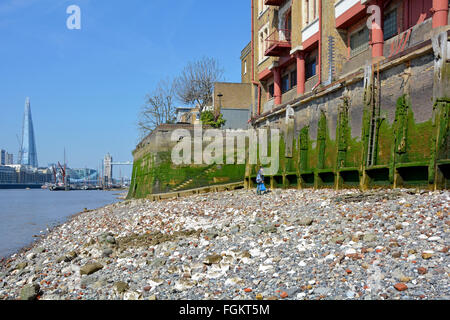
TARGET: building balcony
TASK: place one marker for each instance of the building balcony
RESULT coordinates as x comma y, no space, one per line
310,34
278,43
273,2
348,12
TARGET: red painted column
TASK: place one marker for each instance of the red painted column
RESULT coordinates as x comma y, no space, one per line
377,35
277,85
440,13
301,70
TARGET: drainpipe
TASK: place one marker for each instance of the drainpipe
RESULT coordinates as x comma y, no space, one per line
253,59
320,46
252,42
377,35
277,85
440,13
300,73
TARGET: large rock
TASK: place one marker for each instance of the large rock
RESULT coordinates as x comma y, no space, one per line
305,221
22,265
71,256
29,292
90,268
156,263
68,257
213,259
121,287
106,238
370,237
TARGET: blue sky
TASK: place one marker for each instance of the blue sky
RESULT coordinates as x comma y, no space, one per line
87,86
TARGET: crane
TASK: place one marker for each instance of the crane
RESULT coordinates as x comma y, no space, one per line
63,171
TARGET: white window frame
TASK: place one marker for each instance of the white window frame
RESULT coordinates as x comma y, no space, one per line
263,34
310,10
262,8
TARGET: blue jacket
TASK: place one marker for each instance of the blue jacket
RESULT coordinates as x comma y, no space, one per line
260,177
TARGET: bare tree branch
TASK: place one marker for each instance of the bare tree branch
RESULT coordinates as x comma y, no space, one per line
195,85
159,108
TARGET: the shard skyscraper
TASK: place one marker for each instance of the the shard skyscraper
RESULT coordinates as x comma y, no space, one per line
27,152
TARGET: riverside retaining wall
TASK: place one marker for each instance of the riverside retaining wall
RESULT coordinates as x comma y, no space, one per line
383,126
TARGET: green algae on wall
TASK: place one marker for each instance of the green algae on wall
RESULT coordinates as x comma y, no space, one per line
155,173
405,152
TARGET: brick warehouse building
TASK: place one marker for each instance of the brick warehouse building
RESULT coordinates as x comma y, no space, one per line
367,101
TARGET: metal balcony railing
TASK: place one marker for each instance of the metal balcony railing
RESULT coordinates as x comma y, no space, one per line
278,42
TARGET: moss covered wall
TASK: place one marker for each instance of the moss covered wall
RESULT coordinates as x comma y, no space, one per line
154,172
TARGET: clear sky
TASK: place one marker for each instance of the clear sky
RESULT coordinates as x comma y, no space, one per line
87,86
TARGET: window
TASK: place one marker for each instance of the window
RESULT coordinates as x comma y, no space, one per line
310,11
263,34
285,83
390,24
262,7
310,67
293,78
359,41
245,66
271,90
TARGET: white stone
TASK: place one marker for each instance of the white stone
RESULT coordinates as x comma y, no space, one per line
234,281
435,238
411,257
131,295
350,251
255,252
263,268
301,295
31,256
329,257
155,282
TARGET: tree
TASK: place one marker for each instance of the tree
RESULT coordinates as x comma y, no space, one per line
195,85
208,118
159,108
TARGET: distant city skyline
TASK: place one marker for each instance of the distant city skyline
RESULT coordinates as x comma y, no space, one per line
87,86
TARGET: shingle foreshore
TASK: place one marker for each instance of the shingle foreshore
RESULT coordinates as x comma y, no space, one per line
286,244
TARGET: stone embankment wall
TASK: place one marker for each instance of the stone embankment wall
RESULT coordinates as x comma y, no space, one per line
386,125
154,171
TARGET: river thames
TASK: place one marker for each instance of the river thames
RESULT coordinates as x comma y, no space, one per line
27,213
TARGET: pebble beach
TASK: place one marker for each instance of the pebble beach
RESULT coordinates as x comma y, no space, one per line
286,245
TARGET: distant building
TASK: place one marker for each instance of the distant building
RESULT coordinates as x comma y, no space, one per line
6,158
182,114
28,152
19,174
9,158
234,102
83,175
2,157
246,64
8,175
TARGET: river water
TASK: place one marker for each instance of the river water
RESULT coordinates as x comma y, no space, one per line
24,213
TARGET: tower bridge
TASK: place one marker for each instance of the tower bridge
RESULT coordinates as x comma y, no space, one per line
108,165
